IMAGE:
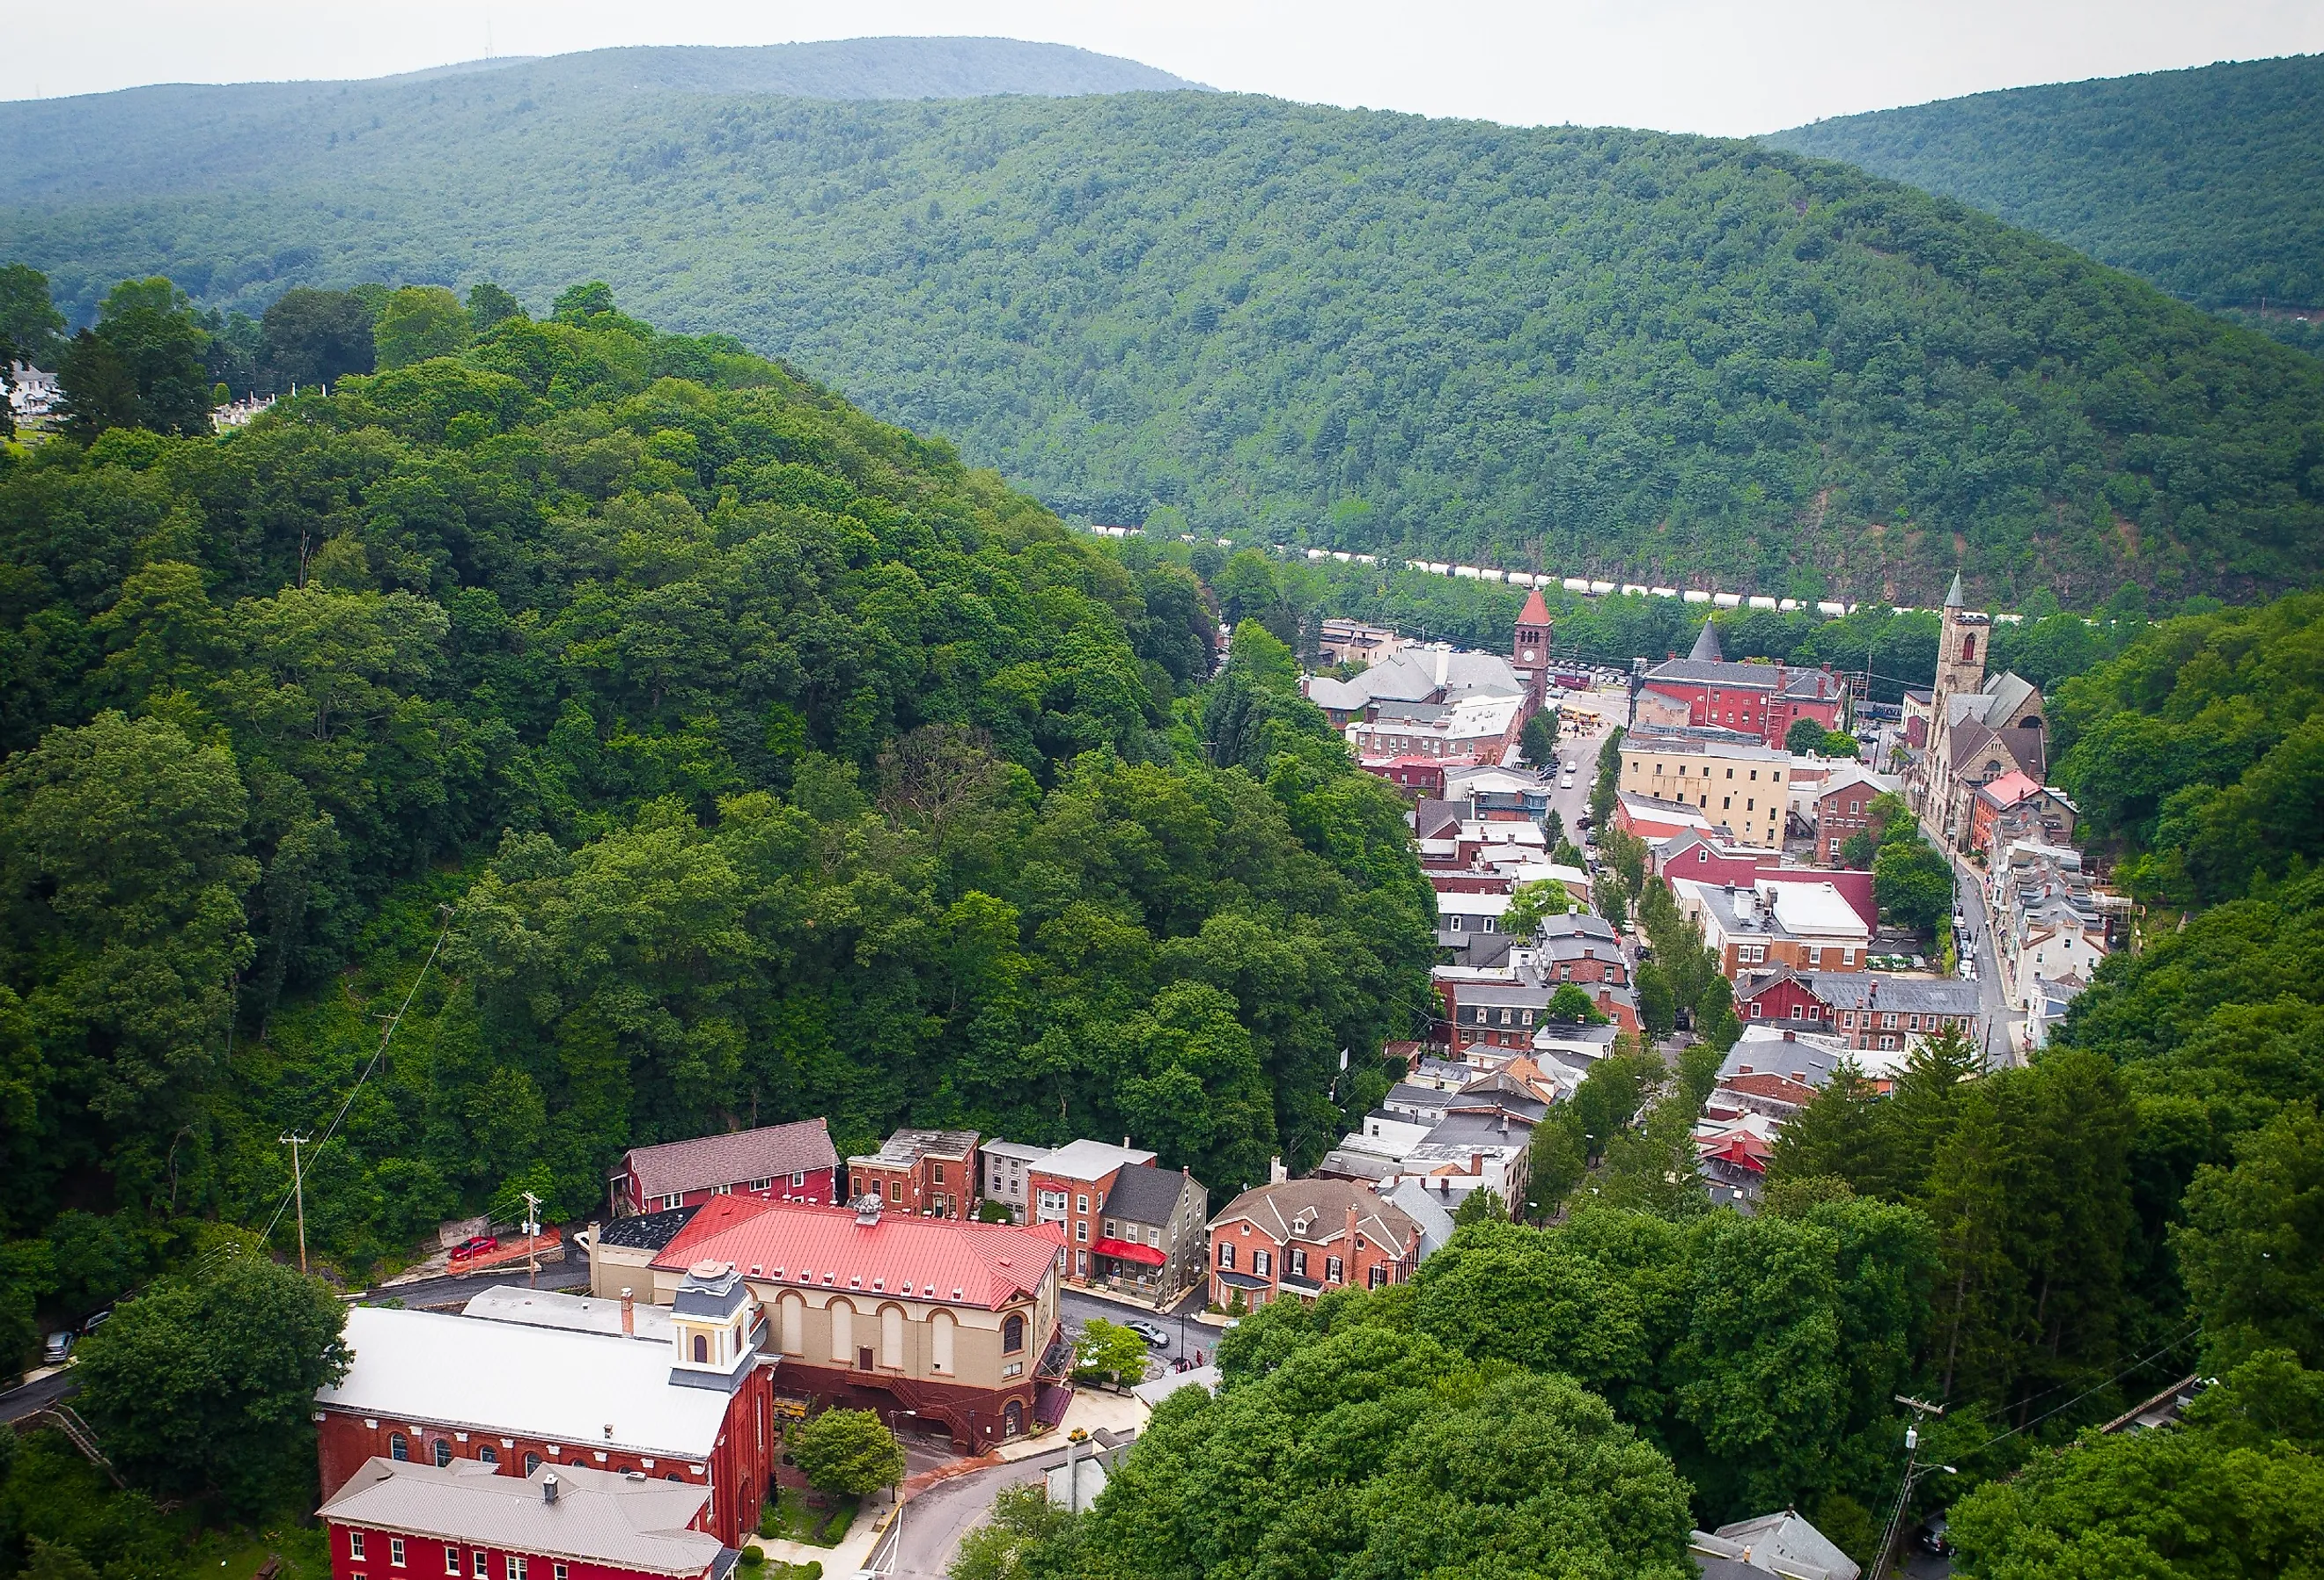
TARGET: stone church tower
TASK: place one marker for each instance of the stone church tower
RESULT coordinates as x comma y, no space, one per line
1962,639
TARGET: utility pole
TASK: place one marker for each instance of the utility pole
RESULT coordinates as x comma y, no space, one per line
1895,1528
294,1140
531,1241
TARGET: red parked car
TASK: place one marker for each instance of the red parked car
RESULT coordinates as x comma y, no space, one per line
476,1245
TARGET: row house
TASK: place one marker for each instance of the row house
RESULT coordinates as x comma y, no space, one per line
1843,808
1762,700
928,1172
1730,778
1152,1226
405,1519
1875,1011
505,1400
775,1162
1415,779
1305,1237
2008,811
1805,927
1475,729
1713,858
1068,1189
2052,923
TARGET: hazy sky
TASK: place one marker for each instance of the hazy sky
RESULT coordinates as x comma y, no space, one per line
1676,65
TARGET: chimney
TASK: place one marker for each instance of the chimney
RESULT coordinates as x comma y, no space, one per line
1351,1232
629,1315
1275,1172
548,1488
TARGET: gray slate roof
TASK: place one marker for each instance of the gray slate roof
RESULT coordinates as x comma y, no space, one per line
599,1517
677,1167
1877,989
1143,1194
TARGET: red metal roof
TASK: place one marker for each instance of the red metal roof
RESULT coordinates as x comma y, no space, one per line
1535,611
1131,1251
929,1259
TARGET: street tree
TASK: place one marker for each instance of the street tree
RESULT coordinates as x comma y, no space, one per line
204,1382
847,1453
1110,1348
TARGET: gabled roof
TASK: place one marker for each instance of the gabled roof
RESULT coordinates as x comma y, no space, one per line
1786,1543
705,1162
1143,1194
503,1377
599,1517
1272,1208
940,1259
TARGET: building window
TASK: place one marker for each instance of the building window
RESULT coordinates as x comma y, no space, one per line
1261,1263
1112,1230
1331,1274
395,1551
451,1560
486,1456
798,1181
701,1349
1376,1278
355,1544
896,1190
514,1566
531,1463
1081,1230
673,1200
399,1446
483,1567
1012,1333
1226,1257
560,1570
766,1184
443,1451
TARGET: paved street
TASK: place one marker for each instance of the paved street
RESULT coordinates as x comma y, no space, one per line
922,1544
573,1273
19,1402
2005,1025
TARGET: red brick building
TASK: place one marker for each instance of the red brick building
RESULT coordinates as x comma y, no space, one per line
1780,997
400,1519
775,1162
508,1399
1303,1237
1843,808
1760,699
1414,777
929,1173
1067,1189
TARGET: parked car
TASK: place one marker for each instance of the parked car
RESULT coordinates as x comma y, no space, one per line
96,1319
1151,1333
58,1349
1933,1537
476,1245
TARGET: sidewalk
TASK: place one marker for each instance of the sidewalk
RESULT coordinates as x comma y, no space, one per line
1135,1302
1121,1414
849,1556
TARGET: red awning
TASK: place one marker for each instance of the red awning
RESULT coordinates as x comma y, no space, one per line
1131,1251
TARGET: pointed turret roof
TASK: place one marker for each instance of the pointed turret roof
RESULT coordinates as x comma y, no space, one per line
1706,646
1953,599
1536,611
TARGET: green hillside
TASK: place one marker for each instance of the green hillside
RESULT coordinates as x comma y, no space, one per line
1600,351
747,758
2208,182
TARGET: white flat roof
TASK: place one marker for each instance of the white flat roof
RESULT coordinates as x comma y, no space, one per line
504,1377
1815,909
1091,1159
575,1313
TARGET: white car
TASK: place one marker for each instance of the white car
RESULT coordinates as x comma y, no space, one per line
1565,781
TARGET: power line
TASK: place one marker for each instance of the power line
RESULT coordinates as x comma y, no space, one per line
2147,1359
385,1036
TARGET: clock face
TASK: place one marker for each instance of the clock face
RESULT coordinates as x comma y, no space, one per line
1529,655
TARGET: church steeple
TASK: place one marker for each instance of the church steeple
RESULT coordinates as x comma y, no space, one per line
1706,645
1954,599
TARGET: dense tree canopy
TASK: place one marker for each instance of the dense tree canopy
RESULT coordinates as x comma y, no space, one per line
1605,352
753,760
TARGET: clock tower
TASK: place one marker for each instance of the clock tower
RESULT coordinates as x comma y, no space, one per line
1529,647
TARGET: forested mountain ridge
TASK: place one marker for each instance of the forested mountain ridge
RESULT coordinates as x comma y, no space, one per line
2209,183
748,758
173,134
1660,358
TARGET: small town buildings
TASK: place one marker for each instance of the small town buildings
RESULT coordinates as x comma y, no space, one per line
930,1173
1006,1181
1782,1544
1475,729
397,1518
1302,1237
1730,778
1885,1011
1806,927
621,1251
1655,819
510,1398
1761,700
1151,1233
1843,805
1415,779
2052,925
1712,858
1435,673
2005,812
624,1315
1498,795
1069,1188
776,1162
1974,730
889,1310
1349,641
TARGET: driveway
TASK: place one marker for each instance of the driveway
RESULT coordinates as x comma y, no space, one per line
922,1543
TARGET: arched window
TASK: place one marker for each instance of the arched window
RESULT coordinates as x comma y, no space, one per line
488,1457
702,1349
531,1463
673,1476
399,1446
443,1451
1012,1335
1968,648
